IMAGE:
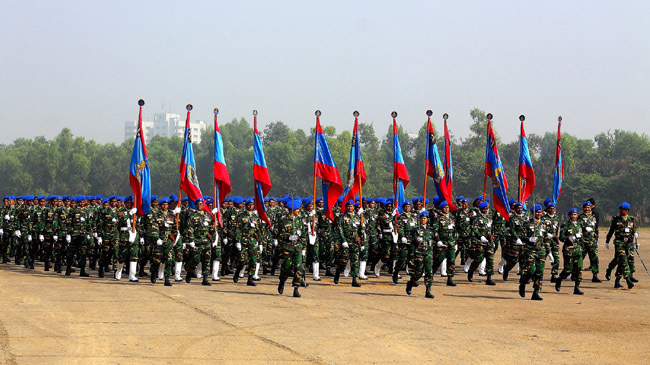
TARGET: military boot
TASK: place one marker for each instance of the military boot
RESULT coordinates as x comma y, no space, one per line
235,277
296,293
608,274
250,281
505,274
522,289
328,271
355,282
281,287
536,295
576,289
617,283
395,276
553,278
206,282
558,283
409,287
188,276
595,279
47,266
450,281
633,279
630,283
428,293
489,281
337,276
167,282
68,270
83,273
154,272
100,271
470,276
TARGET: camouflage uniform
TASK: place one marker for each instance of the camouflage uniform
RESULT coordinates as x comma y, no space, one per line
350,231
589,239
464,229
551,226
534,252
481,226
24,221
512,250
571,251
405,223
48,225
200,227
248,235
108,221
446,229
77,246
291,234
60,245
423,240
623,230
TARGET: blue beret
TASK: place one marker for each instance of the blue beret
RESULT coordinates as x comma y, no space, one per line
164,199
371,200
173,197
237,200
294,203
406,202
128,199
478,198
537,207
512,201
547,201
121,198
105,200
250,200
154,197
442,204
518,204
551,204
482,205
572,210
112,197
466,200
625,206
416,199
19,197
390,200
99,197
339,200
273,198
319,199
199,199
436,200
357,204
426,200
186,199
487,200
349,202
460,197
6,197
586,204
307,201
90,197
423,214
28,197
65,197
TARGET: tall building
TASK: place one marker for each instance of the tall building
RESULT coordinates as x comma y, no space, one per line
166,125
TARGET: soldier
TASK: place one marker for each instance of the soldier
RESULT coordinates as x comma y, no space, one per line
624,230
371,236
247,241
446,246
292,246
201,231
464,228
6,227
480,246
570,234
350,231
534,253
60,244
109,235
76,237
405,222
23,233
48,225
512,251
126,249
163,257
589,239
313,254
553,244
387,235
423,239
229,252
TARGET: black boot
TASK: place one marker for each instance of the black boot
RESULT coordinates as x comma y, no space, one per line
489,281
281,287
595,279
608,274
100,272
470,276
522,288
296,293
428,293
558,283
576,289
206,282
47,266
505,274
235,277
328,272
617,283
167,282
265,270
355,283
154,273
409,287
250,281
633,279
536,295
395,276
188,276
553,278
630,283
303,283
57,268
450,281
337,276
83,273
26,263
68,270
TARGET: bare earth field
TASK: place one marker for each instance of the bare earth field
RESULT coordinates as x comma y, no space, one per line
47,318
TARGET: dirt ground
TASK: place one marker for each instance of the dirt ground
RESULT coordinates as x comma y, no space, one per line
47,318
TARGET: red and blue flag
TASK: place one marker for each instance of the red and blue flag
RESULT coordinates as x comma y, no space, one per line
434,167
559,166
356,169
221,176
526,172
139,174
189,177
325,168
400,175
494,170
448,181
260,174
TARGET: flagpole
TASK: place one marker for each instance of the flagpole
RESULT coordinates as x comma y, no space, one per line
426,160
354,138
187,136
394,115
521,118
489,118
141,104
313,218
216,196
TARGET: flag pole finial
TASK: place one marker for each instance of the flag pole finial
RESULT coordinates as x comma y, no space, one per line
445,116
522,117
559,119
489,116
189,107
141,102
393,114
216,111
317,113
429,113
355,114
255,112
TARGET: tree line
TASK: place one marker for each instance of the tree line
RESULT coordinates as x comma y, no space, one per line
612,167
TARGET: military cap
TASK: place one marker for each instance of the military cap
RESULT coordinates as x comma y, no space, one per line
625,206
319,199
586,204
294,203
442,204
547,201
482,205
28,197
460,197
572,210
518,204
154,197
128,198
406,202
423,214
537,208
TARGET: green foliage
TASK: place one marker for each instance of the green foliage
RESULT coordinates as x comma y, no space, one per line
613,167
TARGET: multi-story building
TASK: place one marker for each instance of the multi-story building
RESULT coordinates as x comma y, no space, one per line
166,125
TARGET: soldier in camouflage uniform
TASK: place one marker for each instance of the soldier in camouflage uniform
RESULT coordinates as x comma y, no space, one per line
387,235
247,242
76,237
126,250
48,225
291,236
624,230
60,244
570,234
313,254
229,252
423,240
446,245
163,258
553,244
589,239
350,233
405,222
513,247
480,246
201,231
371,236
109,235
6,227
216,250
534,252
464,230
24,218
326,240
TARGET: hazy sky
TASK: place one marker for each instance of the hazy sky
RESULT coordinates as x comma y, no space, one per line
84,64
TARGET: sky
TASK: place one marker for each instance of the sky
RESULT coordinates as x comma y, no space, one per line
84,64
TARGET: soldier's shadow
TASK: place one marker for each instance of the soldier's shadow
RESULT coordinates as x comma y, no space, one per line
245,292
377,294
479,296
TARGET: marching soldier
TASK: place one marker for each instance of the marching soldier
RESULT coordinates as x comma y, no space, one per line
446,246
512,251
201,232
405,222
126,249
109,235
47,227
624,230
553,245
247,242
423,239
76,238
570,234
387,235
480,246
589,240
350,232
292,246
534,253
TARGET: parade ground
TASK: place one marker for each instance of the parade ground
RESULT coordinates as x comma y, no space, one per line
47,318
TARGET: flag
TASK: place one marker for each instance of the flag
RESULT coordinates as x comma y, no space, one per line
434,167
448,180
400,175
494,170
356,169
139,174
221,176
559,166
189,177
260,174
526,172
325,168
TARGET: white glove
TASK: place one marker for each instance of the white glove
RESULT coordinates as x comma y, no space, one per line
532,239
455,247
636,234
159,242
607,245
17,233
41,238
394,212
215,211
312,213
362,248
419,239
29,238
484,240
141,241
95,234
275,243
214,244
578,235
304,253
55,238
381,236
177,210
440,244
82,219
394,236
572,238
293,238
261,248
133,211
178,237
99,239
345,245
131,237
87,236
192,244
589,229
360,211
2,231
184,246
421,210
548,235
550,258
638,245
238,245
7,217
225,241
68,239
312,239
404,240
519,243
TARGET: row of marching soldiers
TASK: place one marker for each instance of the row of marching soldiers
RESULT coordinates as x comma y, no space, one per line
69,231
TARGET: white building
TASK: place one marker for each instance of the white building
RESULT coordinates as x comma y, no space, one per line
166,125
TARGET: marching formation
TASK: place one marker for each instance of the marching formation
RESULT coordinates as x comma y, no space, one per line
184,241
